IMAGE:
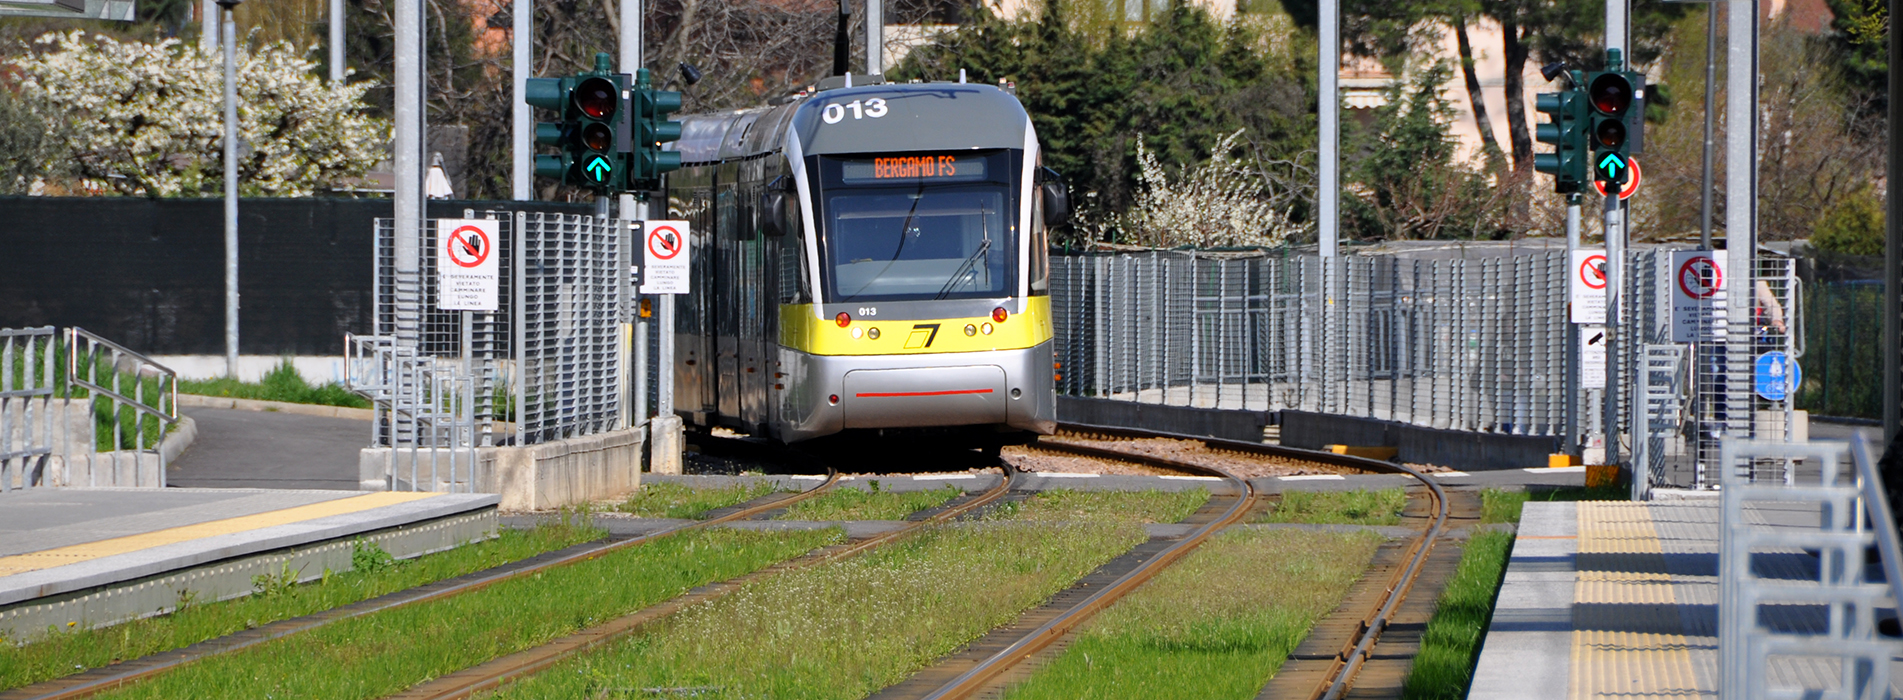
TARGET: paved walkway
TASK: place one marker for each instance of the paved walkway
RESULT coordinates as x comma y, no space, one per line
263,449
1620,600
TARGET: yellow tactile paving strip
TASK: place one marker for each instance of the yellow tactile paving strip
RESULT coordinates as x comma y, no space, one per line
1609,662
61,556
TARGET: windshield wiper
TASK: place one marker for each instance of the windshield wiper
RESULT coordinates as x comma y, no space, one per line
983,246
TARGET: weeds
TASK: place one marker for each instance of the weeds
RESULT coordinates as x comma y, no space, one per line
369,558
874,504
282,383
1216,625
1451,645
1086,506
1357,507
669,500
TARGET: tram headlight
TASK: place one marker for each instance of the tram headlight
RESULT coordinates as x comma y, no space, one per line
971,330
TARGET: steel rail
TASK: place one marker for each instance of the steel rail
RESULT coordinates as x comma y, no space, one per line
104,678
501,671
977,677
1342,673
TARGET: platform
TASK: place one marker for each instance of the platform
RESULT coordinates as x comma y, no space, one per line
1616,599
93,557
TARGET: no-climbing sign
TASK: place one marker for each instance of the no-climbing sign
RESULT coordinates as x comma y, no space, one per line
665,257
1698,280
1588,286
466,266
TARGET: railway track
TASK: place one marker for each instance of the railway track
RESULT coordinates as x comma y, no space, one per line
104,678
501,671
986,673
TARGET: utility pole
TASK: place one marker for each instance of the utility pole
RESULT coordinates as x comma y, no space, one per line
1741,209
336,42
522,133
634,339
1328,199
1893,264
231,186
875,37
1711,97
407,75
208,24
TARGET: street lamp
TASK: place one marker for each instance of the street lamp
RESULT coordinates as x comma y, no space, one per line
231,187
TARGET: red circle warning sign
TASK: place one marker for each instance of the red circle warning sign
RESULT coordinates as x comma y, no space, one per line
468,246
1700,277
664,242
1593,271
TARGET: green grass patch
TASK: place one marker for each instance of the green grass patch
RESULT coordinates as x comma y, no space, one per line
870,504
282,383
1357,507
1451,645
665,500
1066,505
1503,506
844,630
1217,625
375,573
376,655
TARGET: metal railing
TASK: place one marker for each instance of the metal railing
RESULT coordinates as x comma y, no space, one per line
138,396
28,383
425,414
1768,625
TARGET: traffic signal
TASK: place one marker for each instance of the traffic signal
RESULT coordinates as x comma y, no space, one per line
1612,95
594,131
1566,114
647,162
551,94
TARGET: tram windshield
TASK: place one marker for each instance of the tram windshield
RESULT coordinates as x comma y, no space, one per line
916,226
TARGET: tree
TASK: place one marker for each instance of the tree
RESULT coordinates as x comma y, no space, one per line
147,119
1404,180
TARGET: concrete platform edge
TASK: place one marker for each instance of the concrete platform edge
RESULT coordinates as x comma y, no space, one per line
134,565
1528,648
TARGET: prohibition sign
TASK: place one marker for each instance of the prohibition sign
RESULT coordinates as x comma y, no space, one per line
468,246
1593,271
1631,183
664,242
1700,277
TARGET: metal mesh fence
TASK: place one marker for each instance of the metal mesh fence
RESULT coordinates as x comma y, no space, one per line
1459,344
548,357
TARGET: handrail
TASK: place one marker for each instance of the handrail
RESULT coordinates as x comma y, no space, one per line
72,374
1882,518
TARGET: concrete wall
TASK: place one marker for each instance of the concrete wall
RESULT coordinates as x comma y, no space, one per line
531,477
1459,449
1233,425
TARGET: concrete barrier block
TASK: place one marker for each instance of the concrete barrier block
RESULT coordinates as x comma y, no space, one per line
668,441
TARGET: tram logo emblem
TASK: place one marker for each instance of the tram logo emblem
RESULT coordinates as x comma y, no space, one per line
922,336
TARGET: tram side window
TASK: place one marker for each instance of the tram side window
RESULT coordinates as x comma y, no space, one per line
793,273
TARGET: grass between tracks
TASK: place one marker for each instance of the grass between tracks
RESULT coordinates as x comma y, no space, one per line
63,653
665,500
849,628
1216,625
1357,507
870,504
380,654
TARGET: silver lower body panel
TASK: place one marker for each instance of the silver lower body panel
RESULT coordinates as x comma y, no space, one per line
1012,390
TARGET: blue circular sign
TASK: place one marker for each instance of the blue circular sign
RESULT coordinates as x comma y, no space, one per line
1777,374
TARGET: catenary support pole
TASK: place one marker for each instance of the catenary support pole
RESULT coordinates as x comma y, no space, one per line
408,180
1329,197
1741,211
231,188
522,132
875,37
336,41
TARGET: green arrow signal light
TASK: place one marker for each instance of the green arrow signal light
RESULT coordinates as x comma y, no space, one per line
599,168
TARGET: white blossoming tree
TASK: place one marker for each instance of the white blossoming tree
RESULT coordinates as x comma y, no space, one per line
147,119
1214,204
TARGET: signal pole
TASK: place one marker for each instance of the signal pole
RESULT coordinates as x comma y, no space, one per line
1615,269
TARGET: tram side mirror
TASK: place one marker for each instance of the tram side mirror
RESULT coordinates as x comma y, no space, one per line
773,203
1056,197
